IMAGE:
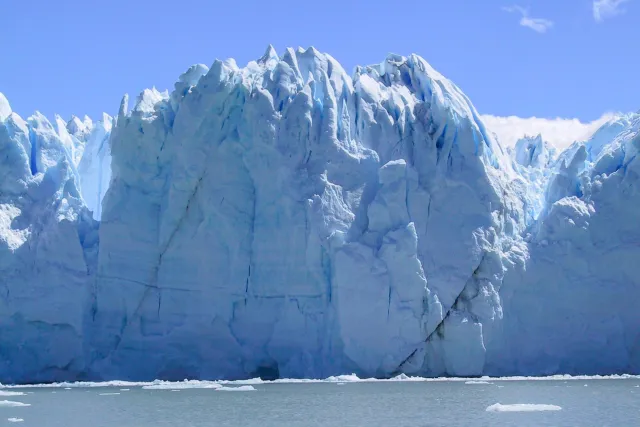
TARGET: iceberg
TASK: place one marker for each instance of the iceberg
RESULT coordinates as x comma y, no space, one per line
288,220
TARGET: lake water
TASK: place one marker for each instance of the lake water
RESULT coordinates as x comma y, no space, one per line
340,402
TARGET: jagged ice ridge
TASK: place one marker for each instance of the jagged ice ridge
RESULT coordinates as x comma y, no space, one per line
286,219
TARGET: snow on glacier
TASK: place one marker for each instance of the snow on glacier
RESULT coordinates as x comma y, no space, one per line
287,220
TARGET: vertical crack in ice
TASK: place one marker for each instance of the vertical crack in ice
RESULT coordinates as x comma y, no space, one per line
254,199
439,329
33,162
152,284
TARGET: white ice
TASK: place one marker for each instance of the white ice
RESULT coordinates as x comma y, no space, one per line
522,407
11,404
240,388
11,393
343,379
166,385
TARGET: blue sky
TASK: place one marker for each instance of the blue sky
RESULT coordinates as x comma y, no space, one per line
545,58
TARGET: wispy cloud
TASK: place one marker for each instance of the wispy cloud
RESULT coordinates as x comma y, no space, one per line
560,132
539,25
603,9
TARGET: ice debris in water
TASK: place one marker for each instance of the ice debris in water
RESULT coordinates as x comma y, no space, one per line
522,407
166,385
241,388
11,393
11,404
15,420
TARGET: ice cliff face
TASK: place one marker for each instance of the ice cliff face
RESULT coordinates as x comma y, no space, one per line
48,253
94,167
574,307
286,219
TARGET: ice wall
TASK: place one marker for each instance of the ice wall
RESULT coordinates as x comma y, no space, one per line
574,308
286,219
48,243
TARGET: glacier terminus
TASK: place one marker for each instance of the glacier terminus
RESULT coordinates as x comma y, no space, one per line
289,220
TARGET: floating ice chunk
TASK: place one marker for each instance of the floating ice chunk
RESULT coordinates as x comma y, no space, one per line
241,388
477,382
159,384
344,378
109,394
15,420
11,393
12,404
522,407
166,385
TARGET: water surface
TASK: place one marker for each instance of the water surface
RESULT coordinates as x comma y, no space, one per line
601,402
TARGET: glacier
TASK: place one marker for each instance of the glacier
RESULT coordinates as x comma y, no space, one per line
287,219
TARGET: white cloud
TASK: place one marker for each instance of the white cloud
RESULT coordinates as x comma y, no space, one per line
559,132
539,25
603,9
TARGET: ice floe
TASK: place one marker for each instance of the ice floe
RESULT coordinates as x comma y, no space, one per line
522,407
